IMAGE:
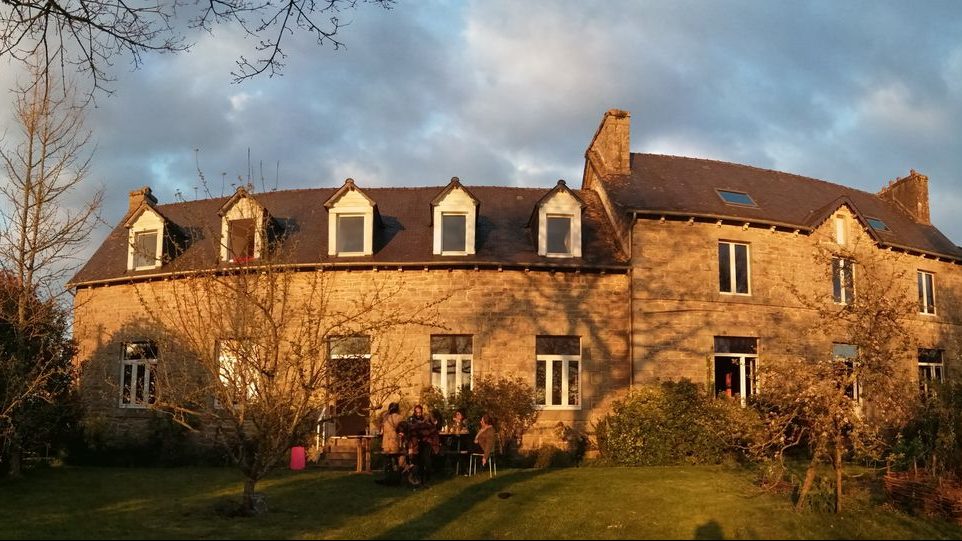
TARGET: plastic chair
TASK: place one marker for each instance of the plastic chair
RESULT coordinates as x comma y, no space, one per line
476,459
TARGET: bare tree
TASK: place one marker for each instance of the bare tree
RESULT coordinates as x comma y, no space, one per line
90,33
40,233
846,401
254,350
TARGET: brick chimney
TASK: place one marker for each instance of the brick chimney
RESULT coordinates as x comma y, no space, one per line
609,152
139,196
912,193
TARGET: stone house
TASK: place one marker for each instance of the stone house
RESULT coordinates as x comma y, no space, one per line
658,267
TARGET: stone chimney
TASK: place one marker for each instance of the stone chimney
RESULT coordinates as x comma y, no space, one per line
609,152
912,193
139,196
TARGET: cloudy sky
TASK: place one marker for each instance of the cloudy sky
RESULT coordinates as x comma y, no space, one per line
510,93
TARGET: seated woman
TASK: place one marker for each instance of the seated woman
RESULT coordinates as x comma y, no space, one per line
484,440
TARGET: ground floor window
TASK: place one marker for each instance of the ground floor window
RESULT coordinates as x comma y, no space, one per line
558,372
451,362
848,355
735,373
138,388
931,369
350,382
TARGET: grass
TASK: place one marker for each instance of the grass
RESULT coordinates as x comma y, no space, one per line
622,503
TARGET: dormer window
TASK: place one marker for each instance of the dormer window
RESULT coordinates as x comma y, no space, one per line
454,213
145,238
736,198
350,234
243,225
558,216
242,239
559,235
352,216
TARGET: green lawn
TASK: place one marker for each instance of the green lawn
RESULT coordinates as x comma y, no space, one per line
671,502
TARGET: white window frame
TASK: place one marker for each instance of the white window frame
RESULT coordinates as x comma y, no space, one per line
243,208
148,221
364,241
468,235
458,359
733,266
840,229
157,248
743,360
566,372
846,264
924,307
149,366
930,372
570,243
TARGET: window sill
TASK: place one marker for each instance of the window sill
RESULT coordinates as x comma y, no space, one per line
558,408
734,294
134,406
148,267
929,314
455,253
560,255
350,254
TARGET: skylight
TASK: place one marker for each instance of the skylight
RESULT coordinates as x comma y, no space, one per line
877,224
736,198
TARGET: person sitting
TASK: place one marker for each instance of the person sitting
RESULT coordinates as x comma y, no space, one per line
457,425
484,440
417,415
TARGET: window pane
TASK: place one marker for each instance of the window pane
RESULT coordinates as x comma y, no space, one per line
837,280
848,280
921,281
151,385
350,345
452,375
145,249
845,351
724,267
128,380
436,373
877,224
540,381
556,377
929,293
727,376
559,235
736,344
466,373
241,234
139,383
350,234
558,345
749,377
736,198
741,268
453,232
573,393
930,355
451,344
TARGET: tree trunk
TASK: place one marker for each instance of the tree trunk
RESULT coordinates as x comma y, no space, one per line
16,455
809,480
248,507
838,477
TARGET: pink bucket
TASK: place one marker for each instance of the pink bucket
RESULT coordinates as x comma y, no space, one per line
297,458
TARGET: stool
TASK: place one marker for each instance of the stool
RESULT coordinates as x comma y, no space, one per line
476,459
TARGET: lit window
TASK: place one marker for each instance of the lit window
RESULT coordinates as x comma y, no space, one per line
735,374
877,224
453,232
931,369
558,372
926,282
451,360
350,234
145,249
559,235
847,356
840,228
843,281
733,271
736,198
241,239
138,388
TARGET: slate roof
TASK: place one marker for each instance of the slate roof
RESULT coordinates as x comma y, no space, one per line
405,238
687,186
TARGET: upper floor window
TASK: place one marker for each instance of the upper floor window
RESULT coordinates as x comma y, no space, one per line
736,198
558,372
350,234
241,239
145,249
877,224
451,362
453,233
735,373
351,218
926,282
931,369
559,235
733,268
145,236
138,387
843,281
840,230
559,224
847,356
